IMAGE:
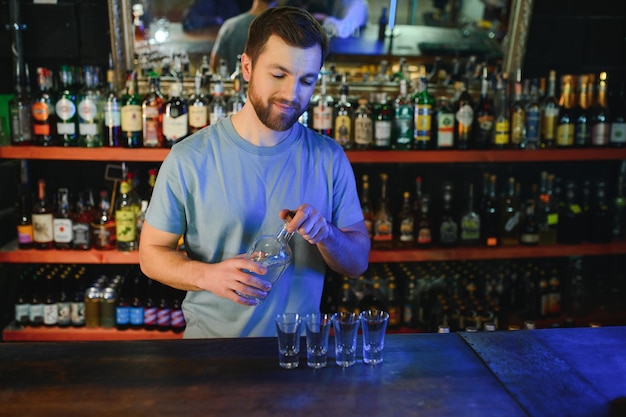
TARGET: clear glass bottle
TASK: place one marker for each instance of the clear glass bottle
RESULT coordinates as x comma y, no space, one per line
322,105
151,114
112,111
218,104
403,110
19,110
363,126
343,114
382,122
175,116
199,104
90,110
66,108
237,96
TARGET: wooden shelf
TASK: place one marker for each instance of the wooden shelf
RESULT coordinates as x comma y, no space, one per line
10,254
53,334
371,156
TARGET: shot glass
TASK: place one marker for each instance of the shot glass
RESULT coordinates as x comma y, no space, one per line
346,327
317,330
374,325
288,332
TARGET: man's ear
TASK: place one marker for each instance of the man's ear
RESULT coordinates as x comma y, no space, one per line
246,67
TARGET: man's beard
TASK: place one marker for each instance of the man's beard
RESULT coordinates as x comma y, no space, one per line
280,122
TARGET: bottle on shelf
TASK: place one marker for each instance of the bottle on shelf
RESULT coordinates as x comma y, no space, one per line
383,220
24,221
43,218
103,230
50,307
484,114
112,129
150,306
77,303
90,109
20,110
343,116
424,113
570,217
43,116
237,95
403,117
448,226
600,116
93,299
518,114
122,307
107,307
217,106
363,126
199,104
565,119
164,311
126,209
582,114
532,127
491,216
322,105
366,206
470,221
464,117
65,108
617,138
21,300
83,209
549,113
152,113
502,119
394,307
444,124
548,216
175,116
510,215
137,294
63,221
383,122
406,223
130,111
424,224
177,319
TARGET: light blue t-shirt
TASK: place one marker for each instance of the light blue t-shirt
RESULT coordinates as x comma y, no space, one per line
222,192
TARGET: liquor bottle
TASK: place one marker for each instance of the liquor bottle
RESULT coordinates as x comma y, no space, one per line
122,307
406,222
382,122
549,113
126,209
383,220
548,216
176,311
90,110
444,124
112,111
601,227
199,104
554,294
448,227
152,114
77,302
518,114
137,293
24,222
618,118
22,302
82,221
103,225
164,318
403,117
64,318
619,206
424,114
582,115
510,215
237,97
43,121
491,216
470,221
50,307
366,206
217,107
322,108
131,117
424,225
565,119
20,111
63,221
43,218
107,307
65,108
533,117
363,126
150,305
570,217
484,114
35,312
600,117
529,228
464,118
394,308
502,120
175,116
343,116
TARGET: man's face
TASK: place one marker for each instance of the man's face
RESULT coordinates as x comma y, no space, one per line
282,82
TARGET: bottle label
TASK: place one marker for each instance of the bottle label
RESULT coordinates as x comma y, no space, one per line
618,133
122,315
382,133
423,122
470,229
87,110
50,314
198,116
88,129
342,130
131,118
175,128
382,230
517,127
41,111
406,230
81,234
65,109
600,133
77,313
64,311
21,312
25,234
43,228
565,134
41,130
217,113
136,316
322,116
424,236
548,123
582,134
445,130
363,131
112,114
62,230
533,120
404,131
448,232
501,133
465,117
125,225
512,222
163,317
35,313
150,316
177,319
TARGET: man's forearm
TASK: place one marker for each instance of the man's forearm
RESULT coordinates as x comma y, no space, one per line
170,267
346,252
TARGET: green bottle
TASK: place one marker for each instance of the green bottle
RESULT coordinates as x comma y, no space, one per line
66,108
132,126
90,110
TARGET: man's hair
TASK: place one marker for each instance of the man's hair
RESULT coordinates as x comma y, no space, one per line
295,26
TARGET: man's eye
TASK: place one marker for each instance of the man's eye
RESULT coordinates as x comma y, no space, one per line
278,76
308,83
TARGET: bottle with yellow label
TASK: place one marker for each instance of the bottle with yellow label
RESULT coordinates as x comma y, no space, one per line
566,120
126,209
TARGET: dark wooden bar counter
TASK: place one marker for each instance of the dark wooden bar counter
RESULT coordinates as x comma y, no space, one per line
459,374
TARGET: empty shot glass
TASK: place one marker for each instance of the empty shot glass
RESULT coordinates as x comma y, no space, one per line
374,325
288,332
346,326
317,330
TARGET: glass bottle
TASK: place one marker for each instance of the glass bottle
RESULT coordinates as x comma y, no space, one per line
444,124
600,126
150,305
529,228
112,111
322,108
90,110
137,301
490,219
273,252
175,116
366,206
548,216
199,104
464,118
406,222
424,114
164,318
43,218
618,118
82,221
502,120
510,215
24,222
448,226
484,114
151,114
363,126
570,216
402,131
470,221
565,118
63,221
130,111
424,227
549,113
343,114
518,114
383,220
103,225
126,209
217,107
20,111
582,115
65,108
382,122
533,117
50,307
43,121
237,97
77,302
